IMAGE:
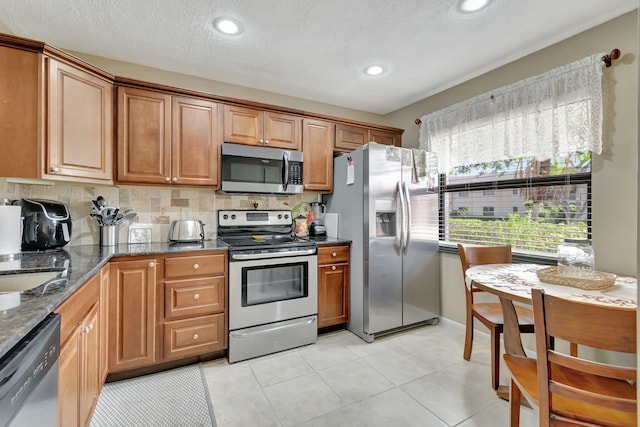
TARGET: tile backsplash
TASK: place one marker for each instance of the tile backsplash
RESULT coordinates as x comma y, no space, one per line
154,206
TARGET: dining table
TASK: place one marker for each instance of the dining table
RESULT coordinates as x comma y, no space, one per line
513,283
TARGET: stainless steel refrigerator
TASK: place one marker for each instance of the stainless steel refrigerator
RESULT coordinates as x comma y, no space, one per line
387,199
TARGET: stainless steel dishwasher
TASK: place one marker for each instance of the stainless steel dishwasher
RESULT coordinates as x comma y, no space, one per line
29,378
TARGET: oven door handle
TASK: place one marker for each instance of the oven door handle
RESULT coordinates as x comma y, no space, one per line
274,254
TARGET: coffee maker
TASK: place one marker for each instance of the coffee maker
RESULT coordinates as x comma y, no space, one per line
317,228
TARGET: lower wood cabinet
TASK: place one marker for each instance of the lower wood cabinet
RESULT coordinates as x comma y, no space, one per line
166,308
79,376
132,320
333,285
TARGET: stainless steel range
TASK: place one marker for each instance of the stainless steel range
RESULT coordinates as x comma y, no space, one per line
273,283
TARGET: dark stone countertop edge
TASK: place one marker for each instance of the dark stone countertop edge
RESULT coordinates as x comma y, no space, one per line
80,264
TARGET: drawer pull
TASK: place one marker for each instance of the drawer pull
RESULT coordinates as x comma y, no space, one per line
333,267
152,264
196,296
55,169
167,179
196,266
174,179
195,336
333,254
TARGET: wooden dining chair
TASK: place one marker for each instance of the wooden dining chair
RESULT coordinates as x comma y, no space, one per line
488,313
569,390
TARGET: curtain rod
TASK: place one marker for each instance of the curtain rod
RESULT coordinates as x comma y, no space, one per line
612,56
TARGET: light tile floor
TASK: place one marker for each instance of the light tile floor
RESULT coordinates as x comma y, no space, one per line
414,378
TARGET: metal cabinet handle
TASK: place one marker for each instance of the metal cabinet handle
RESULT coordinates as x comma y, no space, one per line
262,141
196,296
333,267
152,264
196,336
196,266
167,179
266,141
55,169
174,179
334,254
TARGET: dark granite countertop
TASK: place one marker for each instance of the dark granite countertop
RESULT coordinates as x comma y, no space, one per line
75,264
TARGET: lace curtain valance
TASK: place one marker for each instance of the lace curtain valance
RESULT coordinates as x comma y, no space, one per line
545,116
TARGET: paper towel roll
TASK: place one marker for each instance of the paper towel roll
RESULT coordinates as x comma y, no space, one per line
331,224
10,229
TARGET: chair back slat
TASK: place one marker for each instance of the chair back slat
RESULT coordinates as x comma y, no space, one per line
589,324
562,376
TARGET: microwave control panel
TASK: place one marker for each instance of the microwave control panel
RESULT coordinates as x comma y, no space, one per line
295,173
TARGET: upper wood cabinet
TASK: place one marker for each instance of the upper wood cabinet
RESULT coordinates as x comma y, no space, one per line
256,127
385,137
317,148
56,116
350,138
165,139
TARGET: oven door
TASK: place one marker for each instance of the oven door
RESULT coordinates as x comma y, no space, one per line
269,290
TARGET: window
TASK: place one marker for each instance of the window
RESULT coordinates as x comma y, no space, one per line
533,205
521,154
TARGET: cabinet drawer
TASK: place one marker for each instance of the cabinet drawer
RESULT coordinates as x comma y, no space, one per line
195,297
333,254
205,265
190,337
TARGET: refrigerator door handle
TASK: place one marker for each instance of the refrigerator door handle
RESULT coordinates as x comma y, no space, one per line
407,231
400,230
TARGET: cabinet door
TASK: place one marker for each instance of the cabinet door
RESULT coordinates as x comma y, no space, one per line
243,125
69,382
194,152
144,136
282,131
90,364
317,148
385,137
333,294
104,316
350,138
79,123
132,307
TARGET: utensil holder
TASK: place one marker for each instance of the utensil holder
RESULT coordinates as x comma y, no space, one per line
109,235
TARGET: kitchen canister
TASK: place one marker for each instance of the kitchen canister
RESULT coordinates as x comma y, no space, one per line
10,229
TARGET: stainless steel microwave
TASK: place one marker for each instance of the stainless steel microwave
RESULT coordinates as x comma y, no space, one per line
250,169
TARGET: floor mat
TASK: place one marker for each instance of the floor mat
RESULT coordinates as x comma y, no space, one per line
178,397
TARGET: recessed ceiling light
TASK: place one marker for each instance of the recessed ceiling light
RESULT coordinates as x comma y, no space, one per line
227,26
374,70
472,5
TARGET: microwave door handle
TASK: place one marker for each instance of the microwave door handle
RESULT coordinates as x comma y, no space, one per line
285,172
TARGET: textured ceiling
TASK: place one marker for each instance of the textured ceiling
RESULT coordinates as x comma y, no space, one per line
313,49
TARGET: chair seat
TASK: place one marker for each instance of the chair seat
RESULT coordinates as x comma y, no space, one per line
492,313
524,374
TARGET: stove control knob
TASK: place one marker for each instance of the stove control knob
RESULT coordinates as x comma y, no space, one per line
233,216
279,216
225,216
286,216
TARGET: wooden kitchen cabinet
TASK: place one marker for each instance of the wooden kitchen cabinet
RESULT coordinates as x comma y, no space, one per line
317,148
132,320
195,302
249,126
57,122
80,377
165,139
385,137
350,138
333,285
